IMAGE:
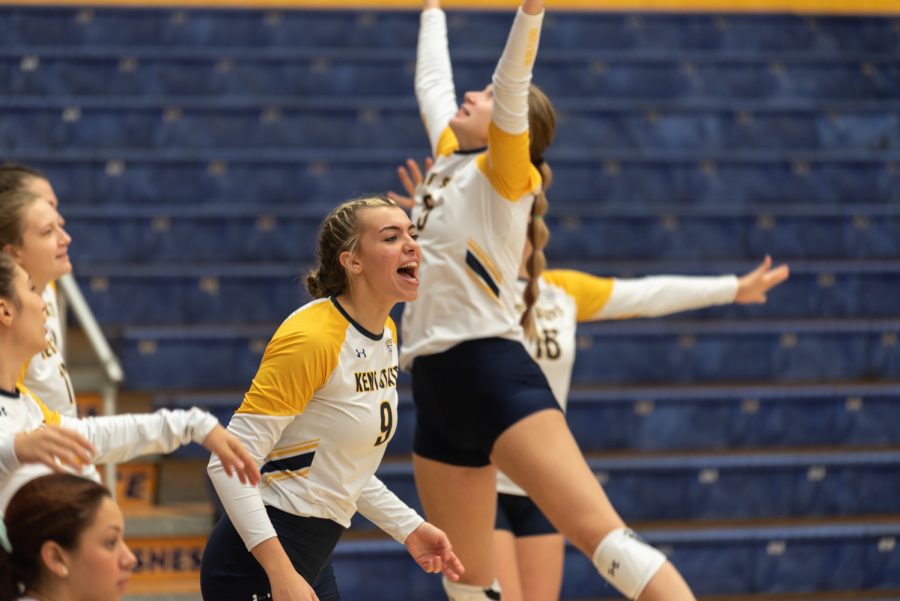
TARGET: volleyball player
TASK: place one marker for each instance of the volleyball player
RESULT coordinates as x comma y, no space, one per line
481,400
317,418
36,238
31,441
528,551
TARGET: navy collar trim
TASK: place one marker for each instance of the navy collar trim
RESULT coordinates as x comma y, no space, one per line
353,322
10,394
472,151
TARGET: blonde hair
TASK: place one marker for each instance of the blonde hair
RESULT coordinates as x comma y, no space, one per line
13,204
541,130
340,233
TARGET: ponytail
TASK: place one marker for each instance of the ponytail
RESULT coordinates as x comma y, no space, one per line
538,235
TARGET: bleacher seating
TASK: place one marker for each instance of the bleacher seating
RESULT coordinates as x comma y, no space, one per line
195,152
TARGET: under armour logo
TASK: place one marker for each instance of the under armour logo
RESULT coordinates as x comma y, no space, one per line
3,411
360,353
390,344
612,569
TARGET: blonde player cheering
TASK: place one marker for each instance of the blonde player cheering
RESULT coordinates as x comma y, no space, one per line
317,418
31,434
528,551
35,236
481,400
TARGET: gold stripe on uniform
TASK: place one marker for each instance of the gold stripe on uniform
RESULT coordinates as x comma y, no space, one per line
483,257
293,449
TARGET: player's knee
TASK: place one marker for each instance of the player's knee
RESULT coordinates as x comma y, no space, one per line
467,592
627,562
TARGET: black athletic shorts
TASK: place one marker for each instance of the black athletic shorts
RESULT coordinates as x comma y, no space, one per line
229,572
467,396
519,514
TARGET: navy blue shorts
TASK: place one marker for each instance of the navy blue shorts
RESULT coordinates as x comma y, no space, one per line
467,396
229,572
518,514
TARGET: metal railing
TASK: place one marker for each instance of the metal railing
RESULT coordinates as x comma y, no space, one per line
109,364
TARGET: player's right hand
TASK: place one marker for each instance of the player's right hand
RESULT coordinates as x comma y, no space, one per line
410,177
55,447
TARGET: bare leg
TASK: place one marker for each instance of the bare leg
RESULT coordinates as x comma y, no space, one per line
462,501
540,455
541,561
506,563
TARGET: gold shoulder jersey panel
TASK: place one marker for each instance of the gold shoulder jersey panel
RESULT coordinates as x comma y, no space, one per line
51,418
505,161
591,293
298,360
393,328
447,143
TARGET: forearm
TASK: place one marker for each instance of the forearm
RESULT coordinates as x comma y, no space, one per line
382,507
119,438
663,295
434,86
513,74
244,506
272,557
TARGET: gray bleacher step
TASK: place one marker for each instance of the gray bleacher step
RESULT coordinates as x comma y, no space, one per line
188,519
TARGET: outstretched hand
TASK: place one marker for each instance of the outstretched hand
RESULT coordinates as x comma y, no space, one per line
754,286
55,447
410,177
431,549
232,454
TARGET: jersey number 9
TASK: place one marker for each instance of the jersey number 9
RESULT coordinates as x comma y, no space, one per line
387,423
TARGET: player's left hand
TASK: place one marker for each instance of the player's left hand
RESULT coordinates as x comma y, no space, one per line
234,457
753,287
431,549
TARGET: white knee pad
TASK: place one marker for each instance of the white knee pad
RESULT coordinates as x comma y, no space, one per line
468,592
626,562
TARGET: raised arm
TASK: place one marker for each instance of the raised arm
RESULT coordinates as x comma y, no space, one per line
434,74
508,161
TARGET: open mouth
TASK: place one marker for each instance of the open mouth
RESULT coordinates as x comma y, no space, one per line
410,272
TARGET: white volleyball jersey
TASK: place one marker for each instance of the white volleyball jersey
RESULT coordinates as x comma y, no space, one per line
568,298
46,375
472,208
317,419
116,438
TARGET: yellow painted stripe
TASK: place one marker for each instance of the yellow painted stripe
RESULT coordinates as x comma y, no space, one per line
477,279
483,257
303,446
890,7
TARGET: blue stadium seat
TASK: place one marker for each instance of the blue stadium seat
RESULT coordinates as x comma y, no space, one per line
677,418
215,71
205,293
606,234
638,352
633,178
728,487
715,561
641,352
678,233
92,122
260,28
